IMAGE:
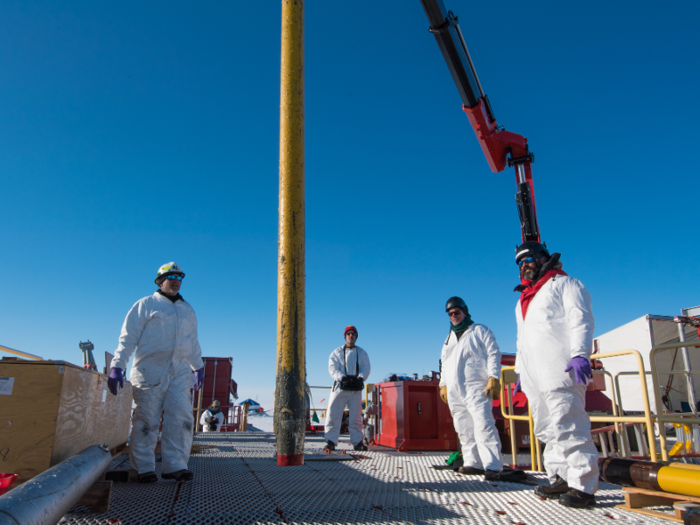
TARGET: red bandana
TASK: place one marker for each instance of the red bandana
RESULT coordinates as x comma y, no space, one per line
531,289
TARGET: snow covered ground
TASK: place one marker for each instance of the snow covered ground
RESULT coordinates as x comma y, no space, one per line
262,422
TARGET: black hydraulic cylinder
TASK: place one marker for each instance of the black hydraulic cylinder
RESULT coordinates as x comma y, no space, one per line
443,25
526,211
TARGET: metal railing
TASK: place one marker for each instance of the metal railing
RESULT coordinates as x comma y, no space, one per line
508,376
677,418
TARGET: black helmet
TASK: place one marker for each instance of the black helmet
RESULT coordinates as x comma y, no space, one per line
530,248
455,302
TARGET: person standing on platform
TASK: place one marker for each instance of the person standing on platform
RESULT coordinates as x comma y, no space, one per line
555,340
161,330
471,368
349,367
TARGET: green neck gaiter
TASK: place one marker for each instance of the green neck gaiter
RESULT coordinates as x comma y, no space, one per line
461,327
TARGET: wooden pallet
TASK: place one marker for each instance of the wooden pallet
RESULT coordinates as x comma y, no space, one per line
636,499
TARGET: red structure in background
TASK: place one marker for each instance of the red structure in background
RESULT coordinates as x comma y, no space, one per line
218,385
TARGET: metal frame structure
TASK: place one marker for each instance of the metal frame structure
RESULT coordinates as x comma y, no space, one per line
508,377
681,418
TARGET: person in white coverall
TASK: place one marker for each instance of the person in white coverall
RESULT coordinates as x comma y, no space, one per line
161,330
555,339
471,367
349,367
212,417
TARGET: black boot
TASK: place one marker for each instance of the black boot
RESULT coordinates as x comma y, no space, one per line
492,475
472,471
330,446
180,475
361,446
555,490
577,499
148,477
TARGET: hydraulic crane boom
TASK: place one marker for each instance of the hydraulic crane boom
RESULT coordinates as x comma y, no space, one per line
501,147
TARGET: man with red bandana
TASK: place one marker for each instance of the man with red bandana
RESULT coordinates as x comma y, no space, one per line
349,367
555,340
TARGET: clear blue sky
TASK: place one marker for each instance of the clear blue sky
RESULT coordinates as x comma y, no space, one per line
134,134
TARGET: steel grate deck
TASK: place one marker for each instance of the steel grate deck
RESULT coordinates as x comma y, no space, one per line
239,482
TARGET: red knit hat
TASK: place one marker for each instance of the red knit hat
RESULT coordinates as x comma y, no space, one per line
350,328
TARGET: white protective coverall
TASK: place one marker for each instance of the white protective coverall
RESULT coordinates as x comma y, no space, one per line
467,364
164,336
208,413
354,362
558,326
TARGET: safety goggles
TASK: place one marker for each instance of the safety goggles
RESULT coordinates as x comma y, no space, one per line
172,277
530,259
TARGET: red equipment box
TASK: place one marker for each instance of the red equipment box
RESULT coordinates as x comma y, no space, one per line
218,385
411,416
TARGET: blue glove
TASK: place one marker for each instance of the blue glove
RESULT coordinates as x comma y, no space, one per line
517,386
199,374
582,369
115,376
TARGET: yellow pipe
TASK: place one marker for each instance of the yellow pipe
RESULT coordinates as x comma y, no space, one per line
20,353
679,481
687,466
290,406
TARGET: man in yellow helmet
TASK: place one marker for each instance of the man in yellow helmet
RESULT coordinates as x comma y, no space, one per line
161,330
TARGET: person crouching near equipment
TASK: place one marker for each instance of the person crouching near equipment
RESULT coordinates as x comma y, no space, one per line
471,366
349,368
212,418
555,338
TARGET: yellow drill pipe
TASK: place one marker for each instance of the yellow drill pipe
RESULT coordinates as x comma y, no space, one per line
290,404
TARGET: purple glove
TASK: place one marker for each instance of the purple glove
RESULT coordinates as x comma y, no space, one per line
582,369
517,386
115,376
199,374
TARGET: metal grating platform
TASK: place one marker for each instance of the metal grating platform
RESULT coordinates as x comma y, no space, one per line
239,482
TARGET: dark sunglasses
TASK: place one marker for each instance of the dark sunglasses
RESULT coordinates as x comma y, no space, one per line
530,259
173,277
455,313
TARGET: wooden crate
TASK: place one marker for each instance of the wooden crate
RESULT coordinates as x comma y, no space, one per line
55,410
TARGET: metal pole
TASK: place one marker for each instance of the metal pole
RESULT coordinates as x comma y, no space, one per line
686,362
44,500
290,405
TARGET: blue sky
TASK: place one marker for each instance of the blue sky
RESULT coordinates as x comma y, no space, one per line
132,135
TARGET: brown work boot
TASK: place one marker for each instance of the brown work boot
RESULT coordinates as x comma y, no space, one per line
555,490
472,471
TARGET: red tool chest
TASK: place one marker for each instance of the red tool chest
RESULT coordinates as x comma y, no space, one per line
411,416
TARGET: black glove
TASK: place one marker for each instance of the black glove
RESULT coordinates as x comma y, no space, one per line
344,381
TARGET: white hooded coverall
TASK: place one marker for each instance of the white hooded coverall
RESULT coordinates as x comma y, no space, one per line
163,336
354,362
219,417
558,326
467,364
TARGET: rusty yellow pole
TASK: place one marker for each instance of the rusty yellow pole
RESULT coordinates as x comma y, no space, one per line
290,403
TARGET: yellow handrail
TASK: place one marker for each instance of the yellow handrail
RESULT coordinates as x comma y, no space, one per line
509,376
660,416
647,418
